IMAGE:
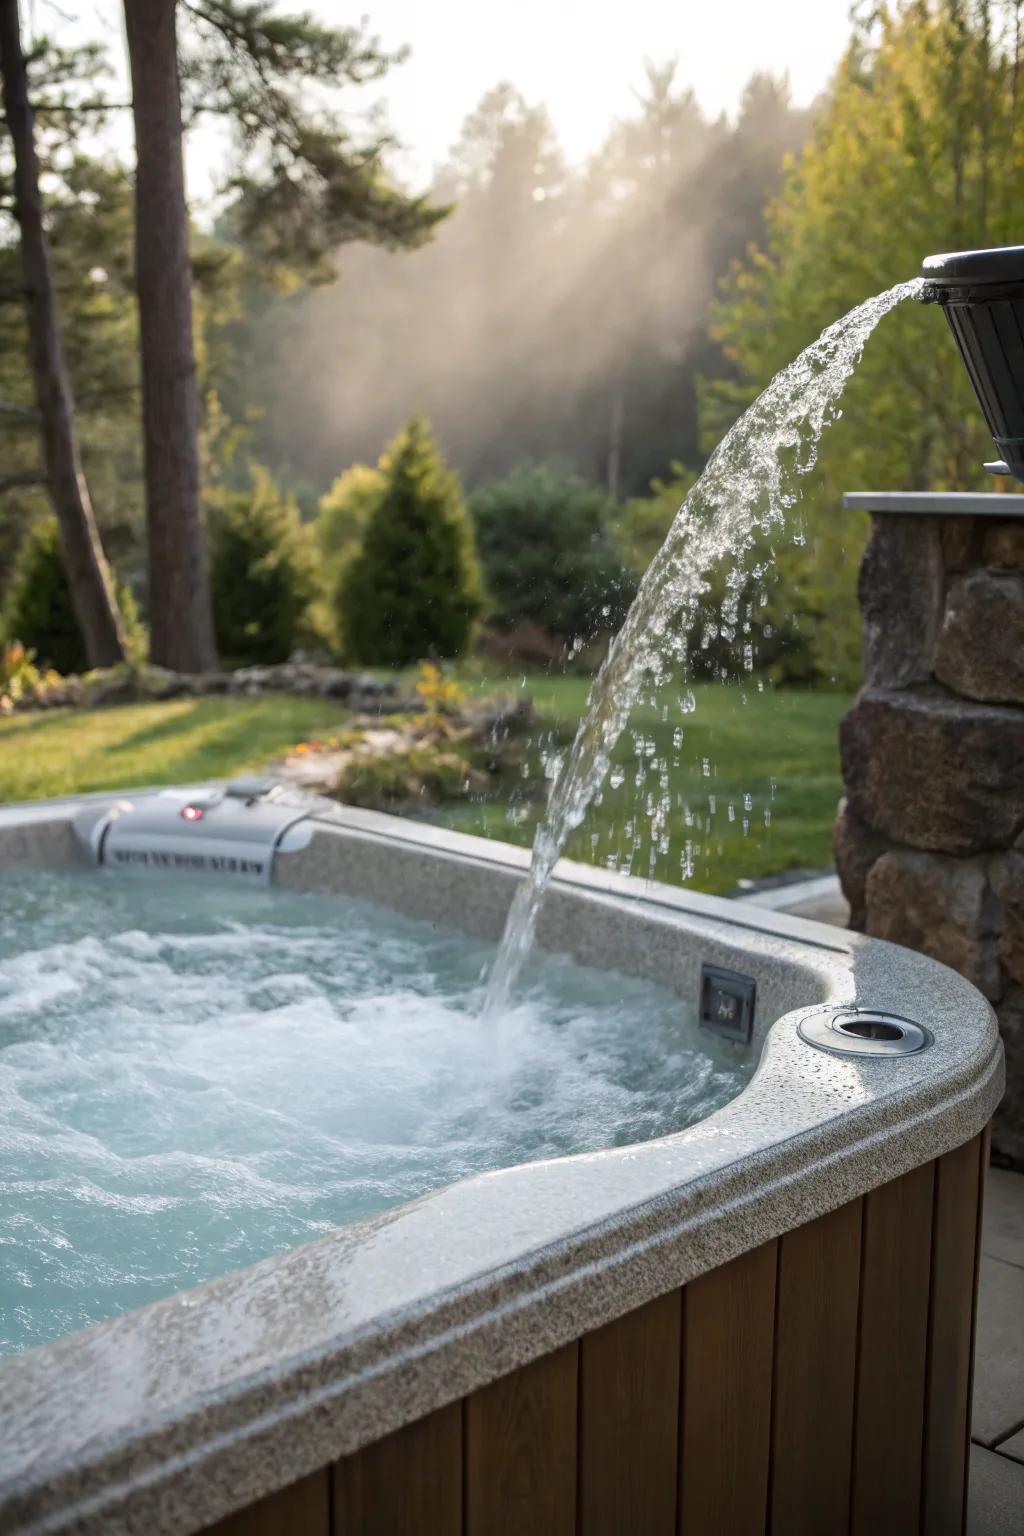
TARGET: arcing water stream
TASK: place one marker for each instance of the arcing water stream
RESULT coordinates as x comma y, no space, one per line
749,483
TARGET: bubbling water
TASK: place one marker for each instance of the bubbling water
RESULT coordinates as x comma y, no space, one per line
194,1076
748,485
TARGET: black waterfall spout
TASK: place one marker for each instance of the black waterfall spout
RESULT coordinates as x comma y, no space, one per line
982,293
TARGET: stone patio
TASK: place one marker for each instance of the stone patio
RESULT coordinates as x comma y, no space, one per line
997,1455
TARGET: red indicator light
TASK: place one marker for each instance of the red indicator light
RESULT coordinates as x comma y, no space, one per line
192,813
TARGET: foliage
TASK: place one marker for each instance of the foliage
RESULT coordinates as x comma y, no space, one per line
304,183
424,775
89,228
740,624
413,590
270,76
768,806
639,525
262,574
919,149
441,695
546,554
19,674
38,610
753,740
90,218
344,512
559,310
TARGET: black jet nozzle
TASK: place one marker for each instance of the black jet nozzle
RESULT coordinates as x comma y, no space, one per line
982,294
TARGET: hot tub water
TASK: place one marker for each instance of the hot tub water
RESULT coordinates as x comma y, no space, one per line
193,1076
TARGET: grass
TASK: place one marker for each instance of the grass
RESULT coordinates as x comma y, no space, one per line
756,773
771,757
64,752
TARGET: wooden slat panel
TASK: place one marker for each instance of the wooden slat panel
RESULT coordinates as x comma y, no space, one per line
520,1456
891,1356
303,1507
408,1484
815,1365
729,1319
629,1422
950,1331
984,1158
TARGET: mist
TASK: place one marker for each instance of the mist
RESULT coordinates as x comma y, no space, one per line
558,312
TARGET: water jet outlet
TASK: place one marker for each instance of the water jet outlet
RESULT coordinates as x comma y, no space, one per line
982,294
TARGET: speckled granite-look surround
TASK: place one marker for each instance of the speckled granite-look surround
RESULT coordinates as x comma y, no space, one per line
167,1419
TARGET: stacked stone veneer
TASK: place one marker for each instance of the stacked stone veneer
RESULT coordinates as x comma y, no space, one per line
930,837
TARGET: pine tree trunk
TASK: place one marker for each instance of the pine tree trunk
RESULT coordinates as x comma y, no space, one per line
180,615
89,579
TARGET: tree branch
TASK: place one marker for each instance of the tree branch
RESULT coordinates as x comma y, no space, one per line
43,109
8,408
24,477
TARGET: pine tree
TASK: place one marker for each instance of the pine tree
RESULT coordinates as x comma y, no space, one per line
344,511
413,590
919,149
304,185
88,574
181,619
262,574
39,612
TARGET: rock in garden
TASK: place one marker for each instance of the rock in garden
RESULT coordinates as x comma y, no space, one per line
499,716
335,684
934,771
212,682
980,652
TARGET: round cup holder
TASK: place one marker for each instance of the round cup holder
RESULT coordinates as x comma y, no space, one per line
849,1031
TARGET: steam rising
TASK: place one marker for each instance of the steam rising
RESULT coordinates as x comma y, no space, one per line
557,312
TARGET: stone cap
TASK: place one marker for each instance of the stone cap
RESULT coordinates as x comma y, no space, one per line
938,503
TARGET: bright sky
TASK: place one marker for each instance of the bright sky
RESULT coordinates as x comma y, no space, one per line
583,59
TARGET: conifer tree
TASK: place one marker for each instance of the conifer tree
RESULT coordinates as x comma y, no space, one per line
919,149
262,573
39,611
413,590
305,184
88,574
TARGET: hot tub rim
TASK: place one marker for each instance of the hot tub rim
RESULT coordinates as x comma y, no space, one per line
233,1426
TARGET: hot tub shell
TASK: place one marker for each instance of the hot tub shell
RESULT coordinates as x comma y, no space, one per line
764,1322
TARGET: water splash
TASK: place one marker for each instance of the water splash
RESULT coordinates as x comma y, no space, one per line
750,482
222,1074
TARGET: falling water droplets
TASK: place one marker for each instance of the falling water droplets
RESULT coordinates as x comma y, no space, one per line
748,484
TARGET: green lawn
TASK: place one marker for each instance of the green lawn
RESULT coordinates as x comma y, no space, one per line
64,752
771,759
756,773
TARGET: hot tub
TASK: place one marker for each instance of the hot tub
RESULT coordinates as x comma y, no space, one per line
761,1322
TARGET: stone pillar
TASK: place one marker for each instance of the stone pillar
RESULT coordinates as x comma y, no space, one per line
929,840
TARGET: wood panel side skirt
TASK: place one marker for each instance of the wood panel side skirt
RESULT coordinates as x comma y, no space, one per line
816,1386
